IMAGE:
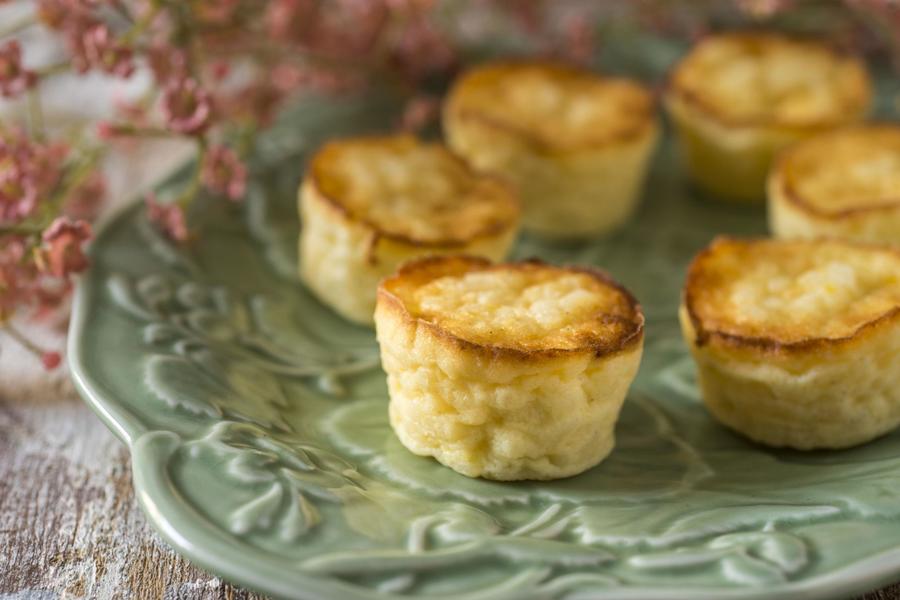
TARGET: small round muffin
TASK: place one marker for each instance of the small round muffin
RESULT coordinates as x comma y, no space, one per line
369,204
737,99
797,342
843,184
576,145
510,371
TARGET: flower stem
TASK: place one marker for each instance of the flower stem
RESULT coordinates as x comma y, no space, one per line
193,185
21,24
20,229
36,114
22,340
140,26
54,69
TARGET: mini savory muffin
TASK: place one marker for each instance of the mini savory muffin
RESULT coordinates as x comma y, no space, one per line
369,204
797,342
843,184
510,371
576,145
739,98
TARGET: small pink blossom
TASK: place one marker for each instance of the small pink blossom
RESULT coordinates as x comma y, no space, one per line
134,112
422,49
16,275
418,112
85,200
224,173
219,70
62,14
63,243
332,37
18,191
186,107
216,12
95,48
290,20
168,217
106,130
14,78
762,9
28,171
167,62
257,102
579,44
410,5
287,76
51,360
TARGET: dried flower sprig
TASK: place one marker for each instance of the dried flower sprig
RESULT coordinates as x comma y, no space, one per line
220,69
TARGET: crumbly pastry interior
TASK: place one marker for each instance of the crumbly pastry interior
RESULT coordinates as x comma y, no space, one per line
846,170
411,190
506,372
792,291
758,78
557,106
524,309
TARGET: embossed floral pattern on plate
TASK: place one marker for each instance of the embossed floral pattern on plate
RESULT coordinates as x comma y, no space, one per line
258,427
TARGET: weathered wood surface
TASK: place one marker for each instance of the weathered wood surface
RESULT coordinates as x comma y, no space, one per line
70,526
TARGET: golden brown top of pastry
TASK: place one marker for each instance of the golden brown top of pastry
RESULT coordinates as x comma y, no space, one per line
845,171
790,294
525,308
413,191
552,105
744,79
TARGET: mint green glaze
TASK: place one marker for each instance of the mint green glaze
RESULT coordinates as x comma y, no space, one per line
258,428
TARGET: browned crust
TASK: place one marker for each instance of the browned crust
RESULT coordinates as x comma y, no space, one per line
704,336
782,179
702,105
429,267
530,137
492,229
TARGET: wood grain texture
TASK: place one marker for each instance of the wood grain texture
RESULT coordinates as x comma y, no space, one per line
70,526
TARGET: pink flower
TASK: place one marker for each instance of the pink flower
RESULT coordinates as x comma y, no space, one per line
28,171
216,12
18,191
580,40
331,36
14,78
290,20
106,130
761,9
421,49
224,173
168,217
287,77
16,275
167,62
95,47
62,14
51,360
219,70
418,112
257,101
63,246
85,200
186,107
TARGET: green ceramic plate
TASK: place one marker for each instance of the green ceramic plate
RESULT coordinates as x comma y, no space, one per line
258,428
